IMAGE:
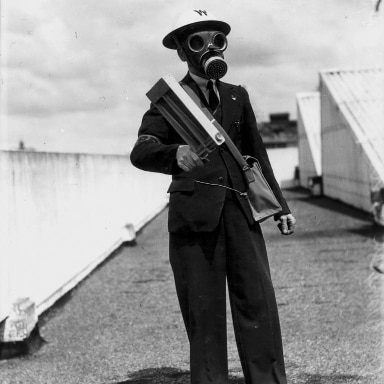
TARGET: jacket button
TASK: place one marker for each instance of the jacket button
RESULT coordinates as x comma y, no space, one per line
221,179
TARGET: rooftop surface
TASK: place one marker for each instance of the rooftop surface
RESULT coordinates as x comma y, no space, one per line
122,324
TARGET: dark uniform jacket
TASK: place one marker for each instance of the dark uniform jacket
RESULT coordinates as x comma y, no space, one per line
195,206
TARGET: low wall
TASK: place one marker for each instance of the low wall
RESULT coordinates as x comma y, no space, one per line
62,214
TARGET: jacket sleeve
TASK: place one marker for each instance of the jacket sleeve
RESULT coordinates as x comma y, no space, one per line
253,145
155,149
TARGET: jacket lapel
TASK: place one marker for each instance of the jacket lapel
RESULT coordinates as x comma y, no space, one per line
229,100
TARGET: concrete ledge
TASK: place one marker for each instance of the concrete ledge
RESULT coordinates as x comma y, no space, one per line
12,349
21,320
127,235
76,279
19,332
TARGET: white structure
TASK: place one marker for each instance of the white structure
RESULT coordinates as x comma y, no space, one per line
284,162
61,215
352,129
309,137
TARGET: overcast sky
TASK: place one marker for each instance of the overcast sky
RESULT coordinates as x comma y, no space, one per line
74,73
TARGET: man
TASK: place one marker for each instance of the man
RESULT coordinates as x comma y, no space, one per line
213,237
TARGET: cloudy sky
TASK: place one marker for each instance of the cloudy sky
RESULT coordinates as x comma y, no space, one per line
74,73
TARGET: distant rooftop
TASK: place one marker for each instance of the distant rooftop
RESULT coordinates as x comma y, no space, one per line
280,131
283,116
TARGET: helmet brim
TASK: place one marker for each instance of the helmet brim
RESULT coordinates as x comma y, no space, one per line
216,25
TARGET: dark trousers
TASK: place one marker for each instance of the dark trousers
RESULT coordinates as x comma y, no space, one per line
201,263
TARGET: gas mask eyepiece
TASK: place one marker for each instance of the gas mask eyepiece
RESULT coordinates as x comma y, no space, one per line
207,48
207,40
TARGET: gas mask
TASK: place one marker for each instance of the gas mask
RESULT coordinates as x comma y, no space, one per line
204,50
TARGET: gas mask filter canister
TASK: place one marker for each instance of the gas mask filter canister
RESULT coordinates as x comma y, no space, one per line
207,48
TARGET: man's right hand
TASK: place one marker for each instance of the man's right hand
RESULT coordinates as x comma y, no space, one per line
187,159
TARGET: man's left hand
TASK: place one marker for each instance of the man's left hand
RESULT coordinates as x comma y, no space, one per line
287,224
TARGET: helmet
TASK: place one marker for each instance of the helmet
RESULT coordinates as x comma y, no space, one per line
192,20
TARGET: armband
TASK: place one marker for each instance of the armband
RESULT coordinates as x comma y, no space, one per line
148,138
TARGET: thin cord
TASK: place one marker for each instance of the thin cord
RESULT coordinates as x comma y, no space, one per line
222,186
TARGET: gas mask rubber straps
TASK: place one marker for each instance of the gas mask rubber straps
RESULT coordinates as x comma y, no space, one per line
204,51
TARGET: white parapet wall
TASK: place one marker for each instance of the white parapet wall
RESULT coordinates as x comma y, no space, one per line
63,214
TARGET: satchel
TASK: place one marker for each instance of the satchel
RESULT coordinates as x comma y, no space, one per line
261,198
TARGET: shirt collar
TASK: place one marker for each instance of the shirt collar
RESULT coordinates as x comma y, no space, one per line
200,81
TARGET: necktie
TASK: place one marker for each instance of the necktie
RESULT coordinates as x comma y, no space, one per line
213,100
